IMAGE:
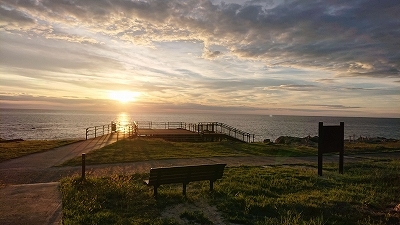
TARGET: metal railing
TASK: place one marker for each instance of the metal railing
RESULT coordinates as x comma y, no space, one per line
129,129
96,131
160,125
201,128
222,128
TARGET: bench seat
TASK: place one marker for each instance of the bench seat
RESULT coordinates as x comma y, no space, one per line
184,175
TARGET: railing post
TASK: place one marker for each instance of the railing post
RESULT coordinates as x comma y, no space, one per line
83,165
95,131
87,130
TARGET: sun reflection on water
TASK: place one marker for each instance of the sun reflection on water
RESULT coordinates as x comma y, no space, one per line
123,121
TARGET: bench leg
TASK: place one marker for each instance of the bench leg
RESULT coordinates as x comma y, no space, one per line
184,189
211,185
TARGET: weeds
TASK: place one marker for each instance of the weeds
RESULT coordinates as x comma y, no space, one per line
245,195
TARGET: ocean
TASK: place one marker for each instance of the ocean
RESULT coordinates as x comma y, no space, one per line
54,124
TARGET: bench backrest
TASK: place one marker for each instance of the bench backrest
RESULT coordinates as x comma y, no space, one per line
185,174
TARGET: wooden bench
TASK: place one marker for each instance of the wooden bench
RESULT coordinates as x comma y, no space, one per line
184,175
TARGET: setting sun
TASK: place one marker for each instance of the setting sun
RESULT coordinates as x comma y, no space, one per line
123,96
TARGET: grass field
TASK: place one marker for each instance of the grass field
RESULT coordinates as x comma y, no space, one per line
366,194
15,149
131,150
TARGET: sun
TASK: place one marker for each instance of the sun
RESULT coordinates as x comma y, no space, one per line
123,96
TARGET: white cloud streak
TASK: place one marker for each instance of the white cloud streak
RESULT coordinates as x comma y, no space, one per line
121,42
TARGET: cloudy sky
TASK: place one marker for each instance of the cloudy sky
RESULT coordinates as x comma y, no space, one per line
305,57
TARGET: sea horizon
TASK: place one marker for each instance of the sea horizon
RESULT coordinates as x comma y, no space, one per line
71,124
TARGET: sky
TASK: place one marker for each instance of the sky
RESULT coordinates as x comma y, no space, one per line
272,57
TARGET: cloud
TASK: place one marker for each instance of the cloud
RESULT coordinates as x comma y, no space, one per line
285,55
293,87
210,54
326,80
13,18
350,38
331,106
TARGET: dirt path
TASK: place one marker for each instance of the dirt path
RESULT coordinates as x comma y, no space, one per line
31,195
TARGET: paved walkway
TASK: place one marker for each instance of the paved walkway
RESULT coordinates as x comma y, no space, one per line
31,194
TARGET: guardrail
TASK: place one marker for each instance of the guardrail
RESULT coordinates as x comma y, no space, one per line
160,125
97,131
127,129
201,128
222,128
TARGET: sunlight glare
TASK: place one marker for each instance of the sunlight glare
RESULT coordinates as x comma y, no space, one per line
123,96
123,119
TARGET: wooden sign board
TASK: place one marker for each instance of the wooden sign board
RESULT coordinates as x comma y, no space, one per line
330,139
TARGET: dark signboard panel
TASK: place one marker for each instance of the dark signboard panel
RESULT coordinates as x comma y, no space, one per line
330,139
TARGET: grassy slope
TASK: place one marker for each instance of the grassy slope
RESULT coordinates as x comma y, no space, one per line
130,150
10,150
365,194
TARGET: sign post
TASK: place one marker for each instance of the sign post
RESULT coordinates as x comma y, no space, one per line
330,139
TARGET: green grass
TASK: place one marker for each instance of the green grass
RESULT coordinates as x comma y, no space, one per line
131,150
362,147
266,195
365,194
10,150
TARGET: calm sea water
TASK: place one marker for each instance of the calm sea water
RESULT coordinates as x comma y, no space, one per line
51,124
